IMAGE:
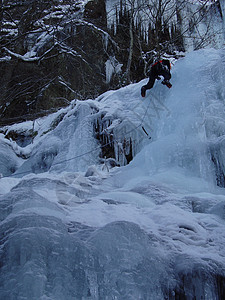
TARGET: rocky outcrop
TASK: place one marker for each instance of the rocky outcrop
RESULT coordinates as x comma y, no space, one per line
95,11
62,56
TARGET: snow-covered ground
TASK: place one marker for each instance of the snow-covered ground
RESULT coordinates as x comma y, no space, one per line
154,229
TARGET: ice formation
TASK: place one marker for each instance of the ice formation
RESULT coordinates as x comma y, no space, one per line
72,228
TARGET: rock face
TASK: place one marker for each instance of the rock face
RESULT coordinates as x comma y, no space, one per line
95,10
59,57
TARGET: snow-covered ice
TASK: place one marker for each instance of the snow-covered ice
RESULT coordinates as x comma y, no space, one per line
153,229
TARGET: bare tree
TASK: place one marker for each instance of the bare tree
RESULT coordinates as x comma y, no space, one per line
133,9
49,56
165,25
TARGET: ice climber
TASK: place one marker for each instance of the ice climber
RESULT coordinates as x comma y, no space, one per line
161,67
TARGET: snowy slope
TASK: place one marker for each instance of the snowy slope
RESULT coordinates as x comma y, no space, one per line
153,229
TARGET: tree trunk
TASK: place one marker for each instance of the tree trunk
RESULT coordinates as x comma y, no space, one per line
130,51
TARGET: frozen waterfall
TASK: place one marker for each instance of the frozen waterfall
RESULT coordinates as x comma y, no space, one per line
72,228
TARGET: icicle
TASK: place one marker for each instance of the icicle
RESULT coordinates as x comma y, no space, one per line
105,38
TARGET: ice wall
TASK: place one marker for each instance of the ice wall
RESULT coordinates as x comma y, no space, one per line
153,229
191,136
92,250
107,130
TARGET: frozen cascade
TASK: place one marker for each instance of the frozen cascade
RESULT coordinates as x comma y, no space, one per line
153,229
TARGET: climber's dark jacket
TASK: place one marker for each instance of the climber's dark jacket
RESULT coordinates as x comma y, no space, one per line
161,67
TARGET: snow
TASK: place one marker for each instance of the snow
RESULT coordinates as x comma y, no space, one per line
71,229
27,57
